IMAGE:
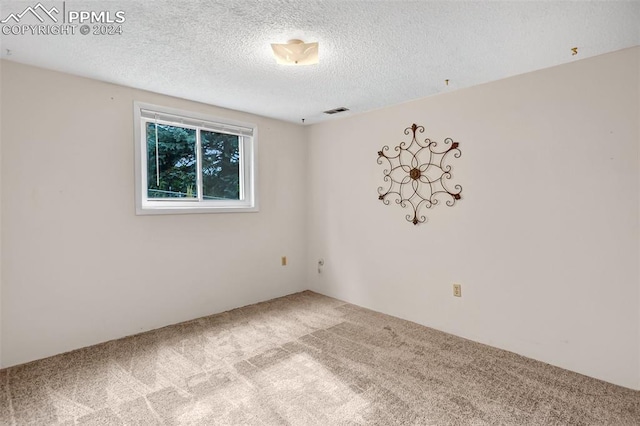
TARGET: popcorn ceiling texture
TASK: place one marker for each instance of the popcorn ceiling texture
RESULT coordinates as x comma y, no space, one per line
304,359
372,53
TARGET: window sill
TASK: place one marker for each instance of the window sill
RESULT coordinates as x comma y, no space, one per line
173,210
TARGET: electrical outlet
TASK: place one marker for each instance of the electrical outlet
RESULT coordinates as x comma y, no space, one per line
457,290
284,260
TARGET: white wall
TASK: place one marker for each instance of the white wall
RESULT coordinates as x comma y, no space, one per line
79,267
545,239
1,62
638,260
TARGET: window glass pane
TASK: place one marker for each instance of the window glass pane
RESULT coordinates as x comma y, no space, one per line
220,166
171,162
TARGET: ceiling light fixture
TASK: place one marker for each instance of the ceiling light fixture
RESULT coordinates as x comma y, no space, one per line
295,52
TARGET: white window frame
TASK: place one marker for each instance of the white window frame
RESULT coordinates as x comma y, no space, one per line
247,134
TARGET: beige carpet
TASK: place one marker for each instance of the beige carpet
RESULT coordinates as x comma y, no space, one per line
304,359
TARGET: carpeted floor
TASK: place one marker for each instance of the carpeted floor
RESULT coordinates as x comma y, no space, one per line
304,359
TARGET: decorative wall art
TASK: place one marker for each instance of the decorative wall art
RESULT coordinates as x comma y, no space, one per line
418,173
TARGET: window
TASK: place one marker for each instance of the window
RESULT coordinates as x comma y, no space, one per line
190,163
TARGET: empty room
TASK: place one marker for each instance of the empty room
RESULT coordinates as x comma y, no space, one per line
319,212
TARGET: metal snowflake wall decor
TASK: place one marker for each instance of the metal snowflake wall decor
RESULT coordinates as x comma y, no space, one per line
418,173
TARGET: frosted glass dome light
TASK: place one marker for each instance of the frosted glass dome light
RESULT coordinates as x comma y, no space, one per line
295,52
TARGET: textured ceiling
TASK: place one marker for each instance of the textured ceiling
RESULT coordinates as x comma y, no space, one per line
372,53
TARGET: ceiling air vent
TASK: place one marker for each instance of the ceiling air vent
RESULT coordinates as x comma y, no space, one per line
336,110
